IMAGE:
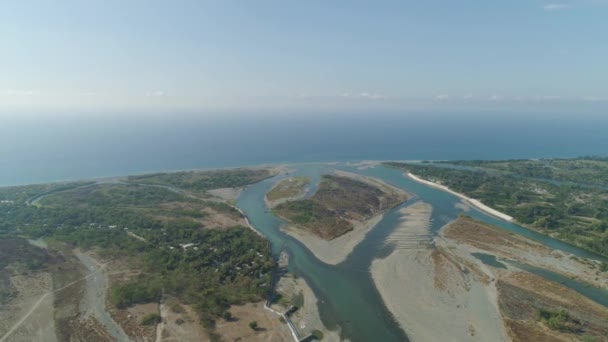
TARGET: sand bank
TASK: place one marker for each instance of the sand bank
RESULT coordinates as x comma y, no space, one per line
423,285
337,250
476,203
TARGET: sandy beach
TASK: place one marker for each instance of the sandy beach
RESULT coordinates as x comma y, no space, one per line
437,288
475,203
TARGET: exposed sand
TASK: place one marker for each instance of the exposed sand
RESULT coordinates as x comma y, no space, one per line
423,285
337,250
473,236
476,203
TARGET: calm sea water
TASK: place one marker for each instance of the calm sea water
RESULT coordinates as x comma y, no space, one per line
47,148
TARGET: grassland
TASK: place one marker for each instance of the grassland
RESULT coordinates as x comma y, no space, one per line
574,213
338,201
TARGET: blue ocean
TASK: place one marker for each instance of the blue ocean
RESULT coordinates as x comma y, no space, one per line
45,148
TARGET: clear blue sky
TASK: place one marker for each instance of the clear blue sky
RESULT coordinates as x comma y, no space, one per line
338,55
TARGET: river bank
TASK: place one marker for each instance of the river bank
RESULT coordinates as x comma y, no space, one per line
437,289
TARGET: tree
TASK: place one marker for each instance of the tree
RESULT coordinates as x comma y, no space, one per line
253,325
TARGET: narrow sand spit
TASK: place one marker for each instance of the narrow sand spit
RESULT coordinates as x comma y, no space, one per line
476,203
337,250
424,286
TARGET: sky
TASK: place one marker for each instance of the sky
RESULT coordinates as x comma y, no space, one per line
98,55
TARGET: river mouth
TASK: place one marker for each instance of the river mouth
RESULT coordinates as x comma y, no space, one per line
348,298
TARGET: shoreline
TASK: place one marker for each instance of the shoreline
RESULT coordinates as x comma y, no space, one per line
475,203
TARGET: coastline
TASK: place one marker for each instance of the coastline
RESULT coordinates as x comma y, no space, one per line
475,203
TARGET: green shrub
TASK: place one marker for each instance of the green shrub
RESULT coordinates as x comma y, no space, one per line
317,334
555,320
151,319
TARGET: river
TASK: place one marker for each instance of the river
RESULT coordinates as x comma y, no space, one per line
347,296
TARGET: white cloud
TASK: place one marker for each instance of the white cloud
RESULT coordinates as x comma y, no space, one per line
594,99
442,97
555,7
364,95
156,93
12,92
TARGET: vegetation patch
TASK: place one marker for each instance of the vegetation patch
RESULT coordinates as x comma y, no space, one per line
288,188
209,270
556,320
547,201
338,200
204,180
151,319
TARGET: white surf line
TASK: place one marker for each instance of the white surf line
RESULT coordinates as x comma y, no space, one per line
37,304
476,203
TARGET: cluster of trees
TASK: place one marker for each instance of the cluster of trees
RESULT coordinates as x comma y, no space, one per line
559,320
204,180
578,214
583,170
209,269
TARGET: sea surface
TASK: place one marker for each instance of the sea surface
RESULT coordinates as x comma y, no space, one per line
55,147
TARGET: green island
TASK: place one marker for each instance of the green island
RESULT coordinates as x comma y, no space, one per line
338,201
170,241
286,189
539,194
